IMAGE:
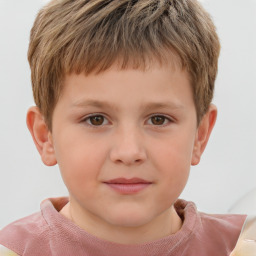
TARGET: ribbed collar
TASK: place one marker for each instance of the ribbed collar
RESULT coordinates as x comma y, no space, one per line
63,228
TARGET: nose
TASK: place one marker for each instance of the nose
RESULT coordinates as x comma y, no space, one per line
128,147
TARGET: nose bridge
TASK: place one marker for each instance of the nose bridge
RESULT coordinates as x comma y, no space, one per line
128,145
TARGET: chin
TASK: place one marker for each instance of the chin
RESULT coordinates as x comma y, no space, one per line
129,219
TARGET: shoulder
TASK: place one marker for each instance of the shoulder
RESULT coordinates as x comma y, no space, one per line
210,231
205,222
33,224
19,234
34,235
228,223
222,229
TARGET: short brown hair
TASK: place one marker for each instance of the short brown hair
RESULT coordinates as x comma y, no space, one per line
90,35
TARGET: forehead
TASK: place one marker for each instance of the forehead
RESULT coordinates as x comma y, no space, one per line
128,68
156,83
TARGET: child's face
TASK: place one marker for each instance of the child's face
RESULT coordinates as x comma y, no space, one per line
125,126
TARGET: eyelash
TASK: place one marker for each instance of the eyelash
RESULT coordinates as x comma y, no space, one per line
87,120
167,120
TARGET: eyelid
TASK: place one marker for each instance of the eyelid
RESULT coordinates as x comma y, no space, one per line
169,118
87,117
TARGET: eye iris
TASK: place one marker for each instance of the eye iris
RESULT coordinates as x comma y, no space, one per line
158,120
97,120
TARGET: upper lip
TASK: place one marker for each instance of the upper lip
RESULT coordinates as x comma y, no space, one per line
128,181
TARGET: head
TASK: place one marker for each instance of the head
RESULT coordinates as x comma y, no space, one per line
123,92
90,36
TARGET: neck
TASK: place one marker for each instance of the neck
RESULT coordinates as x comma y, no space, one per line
164,225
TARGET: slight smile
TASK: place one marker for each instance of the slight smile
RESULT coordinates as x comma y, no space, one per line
128,186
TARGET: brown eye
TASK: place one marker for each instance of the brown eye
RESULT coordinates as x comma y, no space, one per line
96,120
158,120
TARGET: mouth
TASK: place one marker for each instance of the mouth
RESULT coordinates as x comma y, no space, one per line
128,186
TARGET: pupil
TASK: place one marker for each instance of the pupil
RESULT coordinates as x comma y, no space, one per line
97,120
158,120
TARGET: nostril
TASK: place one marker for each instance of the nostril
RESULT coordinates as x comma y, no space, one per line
127,152
129,161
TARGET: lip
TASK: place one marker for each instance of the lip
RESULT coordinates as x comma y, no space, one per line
128,186
128,181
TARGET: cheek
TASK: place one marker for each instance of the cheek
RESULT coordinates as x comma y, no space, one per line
174,153
172,160
175,171
79,160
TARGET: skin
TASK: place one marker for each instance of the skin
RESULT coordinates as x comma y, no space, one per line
146,127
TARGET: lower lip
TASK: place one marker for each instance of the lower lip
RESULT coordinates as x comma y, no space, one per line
128,188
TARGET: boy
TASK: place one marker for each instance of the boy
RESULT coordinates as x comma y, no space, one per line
123,94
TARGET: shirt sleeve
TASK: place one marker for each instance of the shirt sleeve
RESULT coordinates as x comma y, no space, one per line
6,252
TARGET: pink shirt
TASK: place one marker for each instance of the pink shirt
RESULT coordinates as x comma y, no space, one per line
50,233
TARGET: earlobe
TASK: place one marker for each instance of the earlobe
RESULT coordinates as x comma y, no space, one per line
203,134
41,135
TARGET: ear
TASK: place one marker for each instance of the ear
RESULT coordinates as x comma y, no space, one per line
41,135
203,133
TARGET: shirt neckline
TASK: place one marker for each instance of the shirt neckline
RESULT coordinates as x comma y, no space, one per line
64,228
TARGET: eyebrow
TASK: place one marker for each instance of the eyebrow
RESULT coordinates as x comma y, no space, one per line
93,103
163,105
146,106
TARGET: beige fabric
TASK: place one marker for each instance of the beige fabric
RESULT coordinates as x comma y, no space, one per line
6,252
246,244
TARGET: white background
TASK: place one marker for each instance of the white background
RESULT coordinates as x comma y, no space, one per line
228,168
